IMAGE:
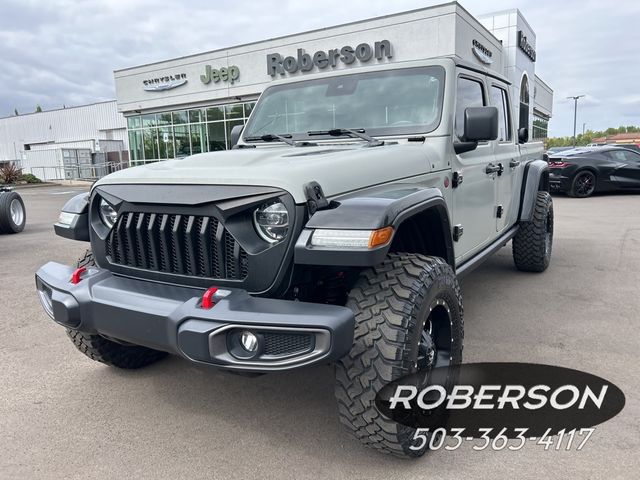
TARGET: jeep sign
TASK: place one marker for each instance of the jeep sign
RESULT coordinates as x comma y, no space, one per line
305,62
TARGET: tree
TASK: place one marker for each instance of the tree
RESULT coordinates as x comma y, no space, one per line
38,108
588,136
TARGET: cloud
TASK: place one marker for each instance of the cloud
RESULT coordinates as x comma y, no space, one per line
64,52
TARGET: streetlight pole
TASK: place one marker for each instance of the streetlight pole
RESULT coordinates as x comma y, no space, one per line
575,115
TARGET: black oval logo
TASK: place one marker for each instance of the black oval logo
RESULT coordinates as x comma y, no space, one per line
544,399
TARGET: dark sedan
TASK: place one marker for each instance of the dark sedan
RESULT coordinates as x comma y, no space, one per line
582,171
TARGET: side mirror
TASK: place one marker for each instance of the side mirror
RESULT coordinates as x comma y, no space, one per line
523,135
480,125
236,131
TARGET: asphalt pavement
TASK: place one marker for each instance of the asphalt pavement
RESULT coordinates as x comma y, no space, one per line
65,416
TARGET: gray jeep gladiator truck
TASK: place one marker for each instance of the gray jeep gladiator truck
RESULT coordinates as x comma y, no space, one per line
334,232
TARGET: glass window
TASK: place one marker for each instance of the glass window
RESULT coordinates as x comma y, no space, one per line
470,94
179,117
181,138
388,102
149,120
135,145
217,138
150,140
196,116
540,127
198,139
215,113
230,126
524,103
500,101
234,111
166,143
164,118
248,107
134,122
624,156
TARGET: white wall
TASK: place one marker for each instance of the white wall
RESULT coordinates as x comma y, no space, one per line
69,125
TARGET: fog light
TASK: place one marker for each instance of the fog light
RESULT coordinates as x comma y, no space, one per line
249,341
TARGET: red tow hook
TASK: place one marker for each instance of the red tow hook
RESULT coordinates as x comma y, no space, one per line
75,276
207,298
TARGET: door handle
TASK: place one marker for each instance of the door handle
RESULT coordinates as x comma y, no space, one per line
514,163
491,168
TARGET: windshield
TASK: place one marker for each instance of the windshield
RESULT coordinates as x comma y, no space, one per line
391,102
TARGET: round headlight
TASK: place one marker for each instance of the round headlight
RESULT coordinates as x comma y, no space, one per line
272,221
108,214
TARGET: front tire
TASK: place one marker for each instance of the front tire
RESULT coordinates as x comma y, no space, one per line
109,352
533,243
403,307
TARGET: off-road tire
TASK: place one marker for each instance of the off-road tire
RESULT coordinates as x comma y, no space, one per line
107,351
389,303
531,252
7,224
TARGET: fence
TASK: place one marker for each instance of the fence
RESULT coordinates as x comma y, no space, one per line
89,172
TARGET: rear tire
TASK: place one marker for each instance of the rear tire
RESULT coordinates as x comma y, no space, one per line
109,352
13,215
533,243
583,184
393,304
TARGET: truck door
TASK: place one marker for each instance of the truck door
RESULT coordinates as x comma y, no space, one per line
508,158
474,199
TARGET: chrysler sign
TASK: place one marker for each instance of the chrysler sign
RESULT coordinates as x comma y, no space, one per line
482,53
305,62
166,82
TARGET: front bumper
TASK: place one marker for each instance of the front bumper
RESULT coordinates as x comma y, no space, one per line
170,318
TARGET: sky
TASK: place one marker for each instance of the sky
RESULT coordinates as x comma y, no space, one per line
63,52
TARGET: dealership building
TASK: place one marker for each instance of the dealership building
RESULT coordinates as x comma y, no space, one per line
189,105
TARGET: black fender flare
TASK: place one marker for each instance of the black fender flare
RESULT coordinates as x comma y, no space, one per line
78,228
371,209
536,178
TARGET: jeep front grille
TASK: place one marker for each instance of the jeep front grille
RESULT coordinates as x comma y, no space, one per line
179,244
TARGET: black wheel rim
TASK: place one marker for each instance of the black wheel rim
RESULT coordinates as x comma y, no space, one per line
436,342
585,184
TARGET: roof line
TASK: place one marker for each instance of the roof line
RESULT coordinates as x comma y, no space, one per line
58,109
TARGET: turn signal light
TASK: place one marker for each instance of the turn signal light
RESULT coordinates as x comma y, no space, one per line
380,236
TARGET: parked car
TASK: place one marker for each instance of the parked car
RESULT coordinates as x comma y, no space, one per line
13,215
584,171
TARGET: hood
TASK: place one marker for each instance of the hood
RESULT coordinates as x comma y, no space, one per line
337,168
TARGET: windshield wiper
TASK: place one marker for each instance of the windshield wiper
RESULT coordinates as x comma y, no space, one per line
270,137
352,132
